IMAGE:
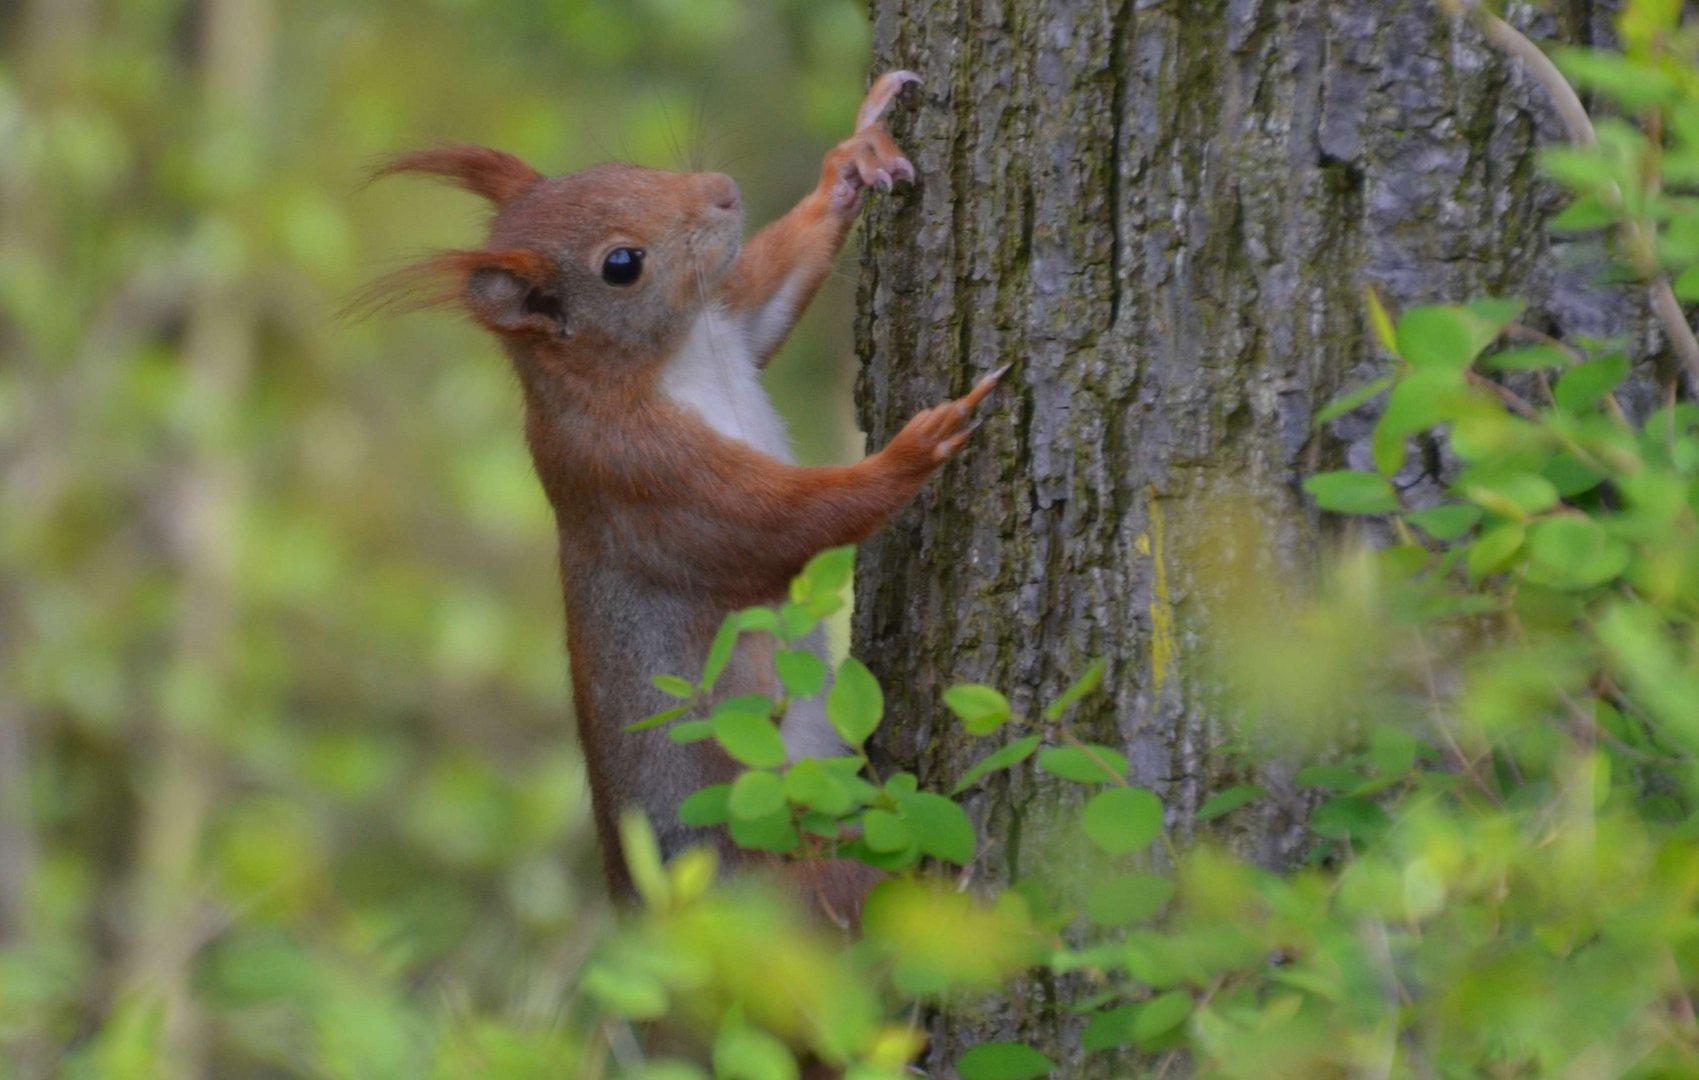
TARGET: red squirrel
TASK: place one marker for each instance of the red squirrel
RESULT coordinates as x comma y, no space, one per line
638,328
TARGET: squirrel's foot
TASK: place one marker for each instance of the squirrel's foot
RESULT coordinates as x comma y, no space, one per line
869,158
934,435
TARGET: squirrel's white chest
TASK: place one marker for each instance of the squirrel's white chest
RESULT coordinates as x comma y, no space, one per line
714,373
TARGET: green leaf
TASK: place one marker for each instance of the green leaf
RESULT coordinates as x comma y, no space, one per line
795,621
706,806
855,703
1349,818
673,686
665,716
1109,1029
1331,777
1229,800
821,605
1492,314
1583,169
1090,764
1642,23
981,709
1494,549
1162,1015
750,737
847,771
1531,358
1380,321
1509,492
757,619
825,826
1392,751
811,784
1127,899
802,673
1657,497
1445,523
643,858
1442,337
902,784
1351,399
1421,400
1349,492
634,995
691,731
940,827
742,1052
1570,475
774,832
1630,83
1585,213
1082,686
720,651
826,573
1585,385
1003,1061
1002,758
1574,552
1686,285
885,831
1122,819
756,794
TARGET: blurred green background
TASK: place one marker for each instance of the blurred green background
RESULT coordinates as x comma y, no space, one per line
285,754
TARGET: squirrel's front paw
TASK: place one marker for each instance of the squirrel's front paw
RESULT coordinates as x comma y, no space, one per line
869,158
933,436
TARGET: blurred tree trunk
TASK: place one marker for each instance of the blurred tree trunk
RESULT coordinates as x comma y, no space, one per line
1164,215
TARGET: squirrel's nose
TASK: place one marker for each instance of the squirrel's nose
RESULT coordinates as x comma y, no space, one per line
722,191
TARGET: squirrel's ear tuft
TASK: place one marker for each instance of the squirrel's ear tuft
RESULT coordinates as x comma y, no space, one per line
495,175
468,277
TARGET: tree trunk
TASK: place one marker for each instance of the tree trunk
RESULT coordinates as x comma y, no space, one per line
1164,214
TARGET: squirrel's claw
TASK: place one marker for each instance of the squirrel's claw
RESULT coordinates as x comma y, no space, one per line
865,160
868,158
880,95
935,435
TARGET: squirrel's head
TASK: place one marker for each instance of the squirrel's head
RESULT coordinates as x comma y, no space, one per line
612,262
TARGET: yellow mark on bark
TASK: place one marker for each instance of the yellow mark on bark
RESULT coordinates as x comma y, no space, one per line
1161,609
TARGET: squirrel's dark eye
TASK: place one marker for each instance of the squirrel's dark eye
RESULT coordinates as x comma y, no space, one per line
622,266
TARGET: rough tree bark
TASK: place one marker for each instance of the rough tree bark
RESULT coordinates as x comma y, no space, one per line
1164,213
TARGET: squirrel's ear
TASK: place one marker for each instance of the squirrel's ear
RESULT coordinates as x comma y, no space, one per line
495,175
508,299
